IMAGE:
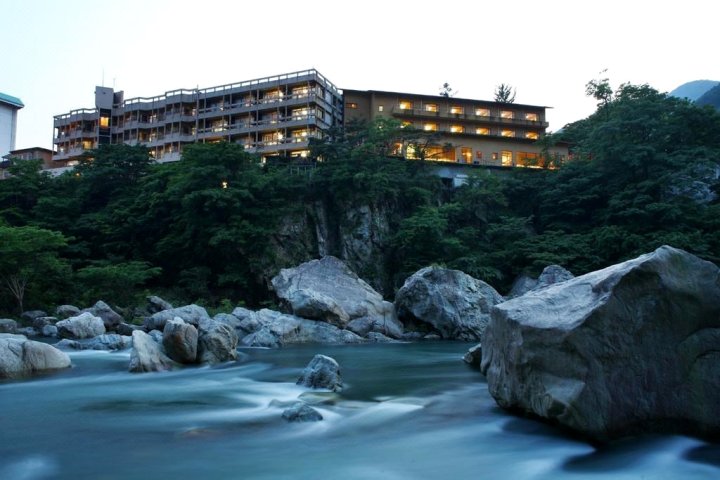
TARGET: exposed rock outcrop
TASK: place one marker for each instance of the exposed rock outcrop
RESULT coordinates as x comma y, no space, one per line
447,302
85,325
328,290
147,355
20,357
275,329
627,349
322,372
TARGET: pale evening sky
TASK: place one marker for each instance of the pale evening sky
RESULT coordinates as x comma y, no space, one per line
55,52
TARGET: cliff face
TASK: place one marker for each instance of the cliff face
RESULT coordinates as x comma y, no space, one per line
356,234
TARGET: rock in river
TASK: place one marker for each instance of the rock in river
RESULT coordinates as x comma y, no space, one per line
322,372
21,357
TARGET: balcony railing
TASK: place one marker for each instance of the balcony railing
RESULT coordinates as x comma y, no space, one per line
416,112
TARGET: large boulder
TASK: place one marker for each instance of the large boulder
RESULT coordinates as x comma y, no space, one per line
7,325
147,355
67,311
634,347
322,372
180,341
277,329
107,341
550,275
192,314
447,302
85,325
111,319
217,342
21,357
390,326
328,290
156,304
31,315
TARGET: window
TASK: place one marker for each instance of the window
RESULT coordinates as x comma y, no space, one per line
440,154
525,159
507,133
455,109
482,112
457,128
406,125
397,149
351,105
87,144
405,105
509,114
482,131
300,91
382,108
104,122
431,107
531,135
466,154
430,127
506,158
531,116
495,156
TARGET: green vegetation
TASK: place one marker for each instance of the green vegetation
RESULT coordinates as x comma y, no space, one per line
217,225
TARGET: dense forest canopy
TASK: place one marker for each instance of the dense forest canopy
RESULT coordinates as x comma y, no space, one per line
644,173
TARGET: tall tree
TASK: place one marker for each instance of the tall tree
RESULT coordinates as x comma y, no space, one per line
504,93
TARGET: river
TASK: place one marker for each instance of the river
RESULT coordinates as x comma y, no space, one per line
408,411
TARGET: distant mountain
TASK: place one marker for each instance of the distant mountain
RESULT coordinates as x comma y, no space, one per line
694,90
711,97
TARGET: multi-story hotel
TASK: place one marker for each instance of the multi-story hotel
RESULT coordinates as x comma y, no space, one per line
474,132
270,116
277,116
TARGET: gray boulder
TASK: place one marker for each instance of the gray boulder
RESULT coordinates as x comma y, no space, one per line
31,315
67,311
627,349
192,314
156,304
300,412
147,355
20,357
446,302
279,329
328,290
111,319
378,337
180,341
85,325
127,328
107,342
550,275
473,356
322,372
217,342
156,335
7,325
27,331
40,322
389,326
49,331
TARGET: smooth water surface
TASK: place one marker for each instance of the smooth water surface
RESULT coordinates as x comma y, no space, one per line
409,411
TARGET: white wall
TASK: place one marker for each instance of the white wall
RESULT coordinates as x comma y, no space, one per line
8,125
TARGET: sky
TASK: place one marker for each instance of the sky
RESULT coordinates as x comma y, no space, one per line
54,53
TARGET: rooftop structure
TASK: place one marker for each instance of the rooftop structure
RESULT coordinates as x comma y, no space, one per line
272,116
9,107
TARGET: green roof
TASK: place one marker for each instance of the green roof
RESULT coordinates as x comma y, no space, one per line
10,100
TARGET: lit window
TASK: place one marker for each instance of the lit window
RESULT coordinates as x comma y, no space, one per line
87,144
405,105
482,112
406,125
506,158
507,114
482,131
457,128
104,122
531,135
351,105
300,91
466,154
495,156
430,127
531,116
507,133
431,107
397,149
382,107
525,159
457,110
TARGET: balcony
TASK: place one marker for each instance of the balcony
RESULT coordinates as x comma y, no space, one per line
471,117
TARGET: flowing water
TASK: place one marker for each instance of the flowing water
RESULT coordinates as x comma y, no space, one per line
409,411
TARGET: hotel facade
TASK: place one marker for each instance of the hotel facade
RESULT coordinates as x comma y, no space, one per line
279,115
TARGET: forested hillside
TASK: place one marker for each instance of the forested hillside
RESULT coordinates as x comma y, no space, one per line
218,224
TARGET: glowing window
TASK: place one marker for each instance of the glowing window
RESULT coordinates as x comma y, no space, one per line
482,112
466,154
87,144
406,125
531,116
507,133
507,114
531,135
104,122
405,105
430,127
506,158
457,109
382,108
351,105
482,131
457,128
431,107
495,156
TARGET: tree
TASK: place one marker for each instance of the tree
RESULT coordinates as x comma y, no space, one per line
114,281
600,90
504,94
30,263
446,90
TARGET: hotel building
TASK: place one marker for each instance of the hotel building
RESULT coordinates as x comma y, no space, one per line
272,116
474,132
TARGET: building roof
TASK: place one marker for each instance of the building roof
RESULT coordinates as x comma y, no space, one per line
442,97
10,100
30,149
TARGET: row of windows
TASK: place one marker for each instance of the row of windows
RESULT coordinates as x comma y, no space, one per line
506,132
457,110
